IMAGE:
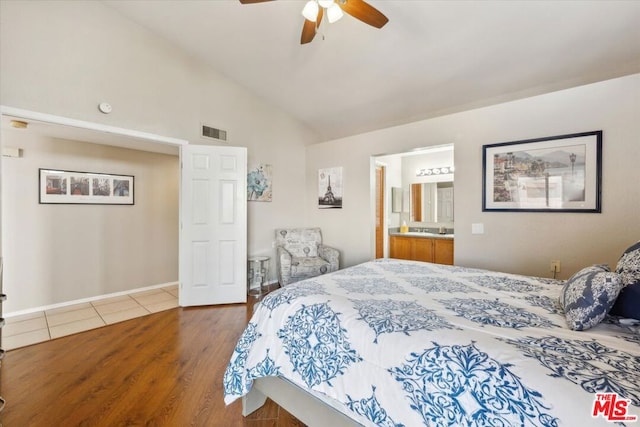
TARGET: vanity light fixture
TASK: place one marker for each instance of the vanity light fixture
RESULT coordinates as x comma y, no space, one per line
435,171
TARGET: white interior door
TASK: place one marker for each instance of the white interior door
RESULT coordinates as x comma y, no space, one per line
213,219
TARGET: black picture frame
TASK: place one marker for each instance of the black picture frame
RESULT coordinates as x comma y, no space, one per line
88,188
560,173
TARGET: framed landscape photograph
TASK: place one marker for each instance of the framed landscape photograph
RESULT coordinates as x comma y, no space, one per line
71,187
552,174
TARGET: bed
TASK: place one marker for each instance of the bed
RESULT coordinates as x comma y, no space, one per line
405,343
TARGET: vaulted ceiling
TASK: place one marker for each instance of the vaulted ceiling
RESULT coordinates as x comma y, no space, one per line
432,58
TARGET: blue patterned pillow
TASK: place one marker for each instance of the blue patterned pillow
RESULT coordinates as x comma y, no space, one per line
588,295
629,265
628,302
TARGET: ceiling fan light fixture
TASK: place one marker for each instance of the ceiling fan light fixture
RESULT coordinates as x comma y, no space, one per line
310,11
326,3
334,13
314,11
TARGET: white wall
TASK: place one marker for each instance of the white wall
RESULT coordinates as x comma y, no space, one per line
513,241
65,57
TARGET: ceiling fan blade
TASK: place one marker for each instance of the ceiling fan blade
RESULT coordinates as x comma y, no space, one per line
363,11
309,28
308,31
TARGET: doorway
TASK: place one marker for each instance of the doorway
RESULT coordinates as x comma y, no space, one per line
402,174
54,233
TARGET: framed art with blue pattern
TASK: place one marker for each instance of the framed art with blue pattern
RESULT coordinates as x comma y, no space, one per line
260,183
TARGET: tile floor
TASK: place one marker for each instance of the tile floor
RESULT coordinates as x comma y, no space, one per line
42,326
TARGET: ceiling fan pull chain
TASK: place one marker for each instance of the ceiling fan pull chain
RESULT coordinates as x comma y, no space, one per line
319,30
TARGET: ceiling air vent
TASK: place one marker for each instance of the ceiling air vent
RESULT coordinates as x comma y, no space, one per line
209,132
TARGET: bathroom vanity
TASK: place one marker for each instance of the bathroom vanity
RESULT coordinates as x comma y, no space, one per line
421,246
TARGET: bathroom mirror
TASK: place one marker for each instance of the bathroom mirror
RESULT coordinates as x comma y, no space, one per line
431,202
396,199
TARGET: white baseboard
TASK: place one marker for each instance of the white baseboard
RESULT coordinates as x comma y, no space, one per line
83,300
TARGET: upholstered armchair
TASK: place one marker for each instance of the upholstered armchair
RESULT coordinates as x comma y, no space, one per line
301,254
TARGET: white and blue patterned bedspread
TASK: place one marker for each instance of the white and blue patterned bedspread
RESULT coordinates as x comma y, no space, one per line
403,343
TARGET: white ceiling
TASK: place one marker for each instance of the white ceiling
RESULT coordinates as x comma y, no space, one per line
432,58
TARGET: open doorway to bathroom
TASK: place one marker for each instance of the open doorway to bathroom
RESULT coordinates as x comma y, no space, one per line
411,182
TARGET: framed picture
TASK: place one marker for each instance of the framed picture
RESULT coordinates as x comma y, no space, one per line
71,187
259,183
330,188
553,174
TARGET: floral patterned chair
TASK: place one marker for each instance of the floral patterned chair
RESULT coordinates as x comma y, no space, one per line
301,254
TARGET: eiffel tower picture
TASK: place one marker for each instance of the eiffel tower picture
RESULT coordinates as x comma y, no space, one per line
330,196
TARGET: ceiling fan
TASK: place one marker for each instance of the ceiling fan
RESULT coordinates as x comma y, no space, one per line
315,9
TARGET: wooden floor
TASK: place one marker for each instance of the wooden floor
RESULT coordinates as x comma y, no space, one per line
164,369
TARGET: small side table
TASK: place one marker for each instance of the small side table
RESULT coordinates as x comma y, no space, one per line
257,275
